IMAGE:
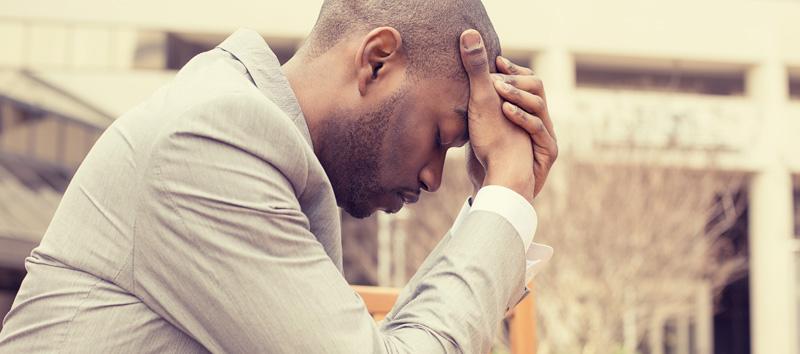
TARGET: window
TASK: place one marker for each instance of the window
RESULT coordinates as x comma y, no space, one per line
794,87
660,75
181,47
796,205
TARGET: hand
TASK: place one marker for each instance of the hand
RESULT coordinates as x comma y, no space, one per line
475,170
502,149
526,106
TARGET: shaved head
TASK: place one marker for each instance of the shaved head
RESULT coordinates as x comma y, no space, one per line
385,94
430,30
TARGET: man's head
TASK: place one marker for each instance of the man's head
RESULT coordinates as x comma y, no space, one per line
397,95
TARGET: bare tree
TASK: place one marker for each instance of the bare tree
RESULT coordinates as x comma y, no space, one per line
633,241
360,249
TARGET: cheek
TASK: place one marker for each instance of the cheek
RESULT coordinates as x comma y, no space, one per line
410,144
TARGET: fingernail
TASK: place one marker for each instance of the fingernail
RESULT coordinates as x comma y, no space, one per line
505,61
471,40
496,77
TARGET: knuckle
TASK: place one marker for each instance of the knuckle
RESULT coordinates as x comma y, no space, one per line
538,84
514,92
476,65
511,80
555,152
520,113
538,103
537,125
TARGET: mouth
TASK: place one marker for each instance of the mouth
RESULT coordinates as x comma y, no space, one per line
409,197
401,199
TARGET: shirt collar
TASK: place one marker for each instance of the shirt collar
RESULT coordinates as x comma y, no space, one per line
262,65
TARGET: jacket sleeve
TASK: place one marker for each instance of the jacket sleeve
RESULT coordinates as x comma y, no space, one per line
475,273
223,251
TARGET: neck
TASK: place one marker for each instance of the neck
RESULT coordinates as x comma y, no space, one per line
310,80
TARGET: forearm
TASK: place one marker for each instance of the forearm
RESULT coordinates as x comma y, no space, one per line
465,294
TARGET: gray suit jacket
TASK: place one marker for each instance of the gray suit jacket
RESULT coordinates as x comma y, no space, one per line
202,221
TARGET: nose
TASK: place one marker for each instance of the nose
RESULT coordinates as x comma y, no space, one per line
431,175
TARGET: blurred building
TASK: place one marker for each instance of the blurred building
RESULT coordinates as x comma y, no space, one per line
704,85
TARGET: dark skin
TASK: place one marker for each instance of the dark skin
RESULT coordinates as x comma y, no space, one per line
367,75
525,105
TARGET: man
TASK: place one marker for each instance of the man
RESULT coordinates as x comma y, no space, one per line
205,219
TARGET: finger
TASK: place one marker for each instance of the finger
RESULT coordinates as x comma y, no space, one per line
506,66
531,124
530,102
534,104
474,59
530,83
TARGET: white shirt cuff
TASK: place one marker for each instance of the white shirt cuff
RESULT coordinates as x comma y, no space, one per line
511,206
536,254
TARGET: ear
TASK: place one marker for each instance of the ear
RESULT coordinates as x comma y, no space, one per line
378,54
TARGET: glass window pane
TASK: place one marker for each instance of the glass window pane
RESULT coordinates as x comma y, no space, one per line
796,209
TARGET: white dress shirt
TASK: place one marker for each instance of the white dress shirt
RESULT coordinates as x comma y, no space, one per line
520,214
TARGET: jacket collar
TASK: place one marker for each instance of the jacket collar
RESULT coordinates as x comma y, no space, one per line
262,65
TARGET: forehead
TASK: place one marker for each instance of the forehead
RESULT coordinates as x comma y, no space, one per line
444,93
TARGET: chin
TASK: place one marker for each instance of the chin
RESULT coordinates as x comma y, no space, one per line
359,211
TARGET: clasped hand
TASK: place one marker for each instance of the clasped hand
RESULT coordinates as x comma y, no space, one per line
500,153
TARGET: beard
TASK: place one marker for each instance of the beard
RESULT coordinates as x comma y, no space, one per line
352,157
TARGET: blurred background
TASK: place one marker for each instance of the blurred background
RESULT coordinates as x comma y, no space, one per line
673,208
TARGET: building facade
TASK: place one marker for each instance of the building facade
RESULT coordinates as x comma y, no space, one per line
706,85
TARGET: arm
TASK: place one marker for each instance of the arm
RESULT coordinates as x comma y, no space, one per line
492,135
535,258
465,289
223,252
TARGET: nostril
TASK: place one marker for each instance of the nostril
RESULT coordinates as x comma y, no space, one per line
424,186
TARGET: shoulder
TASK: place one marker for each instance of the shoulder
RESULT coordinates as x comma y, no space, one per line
239,125
245,115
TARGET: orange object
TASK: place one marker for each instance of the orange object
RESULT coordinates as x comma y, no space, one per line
522,326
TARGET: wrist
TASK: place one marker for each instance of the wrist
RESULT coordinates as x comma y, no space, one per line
476,186
520,182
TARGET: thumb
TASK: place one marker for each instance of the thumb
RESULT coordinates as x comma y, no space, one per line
474,59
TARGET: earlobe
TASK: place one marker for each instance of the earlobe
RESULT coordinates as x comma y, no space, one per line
379,48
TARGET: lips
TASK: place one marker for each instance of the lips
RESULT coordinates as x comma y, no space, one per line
409,197
399,199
